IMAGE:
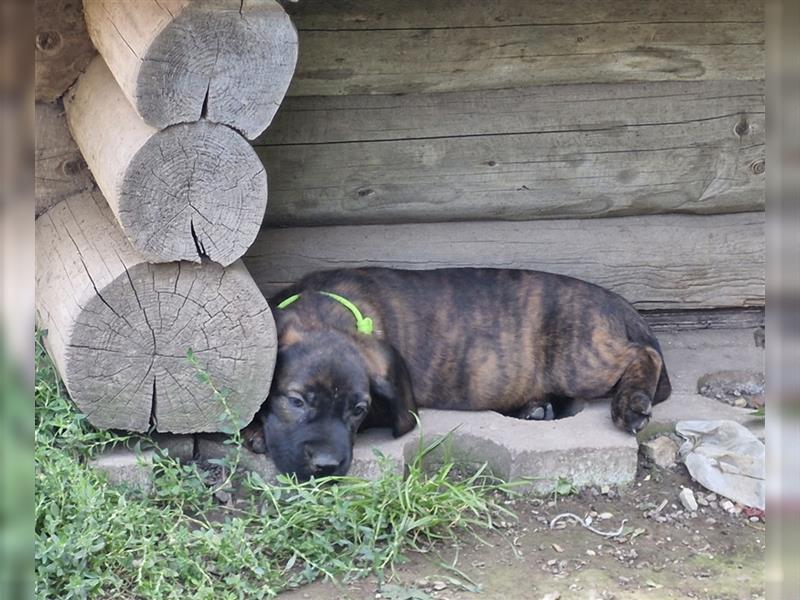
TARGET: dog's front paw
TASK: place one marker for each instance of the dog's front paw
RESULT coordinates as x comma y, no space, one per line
633,412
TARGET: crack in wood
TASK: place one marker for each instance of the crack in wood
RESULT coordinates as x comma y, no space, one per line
153,416
515,25
512,133
198,244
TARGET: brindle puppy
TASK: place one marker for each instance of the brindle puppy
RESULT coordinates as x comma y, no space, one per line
517,342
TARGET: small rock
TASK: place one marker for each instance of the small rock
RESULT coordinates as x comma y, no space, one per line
552,596
661,451
127,468
701,499
727,506
712,497
740,402
604,489
711,521
688,500
222,496
605,516
438,586
557,548
754,519
593,553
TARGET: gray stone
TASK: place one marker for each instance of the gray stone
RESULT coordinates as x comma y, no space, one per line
661,451
740,387
688,500
213,446
126,467
178,446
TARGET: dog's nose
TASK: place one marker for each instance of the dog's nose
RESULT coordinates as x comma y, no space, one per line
323,462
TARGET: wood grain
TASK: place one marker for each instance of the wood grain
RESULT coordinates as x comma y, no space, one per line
60,168
405,46
657,262
63,47
119,329
541,152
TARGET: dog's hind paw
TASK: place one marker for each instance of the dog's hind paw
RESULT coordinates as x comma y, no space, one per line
540,412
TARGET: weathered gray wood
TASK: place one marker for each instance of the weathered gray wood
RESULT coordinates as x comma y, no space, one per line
401,46
63,47
718,318
188,191
229,61
669,261
543,152
119,329
60,168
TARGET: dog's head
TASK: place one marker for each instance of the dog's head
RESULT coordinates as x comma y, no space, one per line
327,384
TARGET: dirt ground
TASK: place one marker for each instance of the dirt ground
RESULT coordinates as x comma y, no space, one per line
712,553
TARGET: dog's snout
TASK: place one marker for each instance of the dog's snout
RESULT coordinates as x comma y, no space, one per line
324,461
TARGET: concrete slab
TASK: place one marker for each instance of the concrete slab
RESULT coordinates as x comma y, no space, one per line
691,354
586,449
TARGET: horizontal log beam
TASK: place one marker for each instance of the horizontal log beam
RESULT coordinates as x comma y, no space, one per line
672,261
402,46
530,153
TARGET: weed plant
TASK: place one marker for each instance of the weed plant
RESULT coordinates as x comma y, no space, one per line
95,540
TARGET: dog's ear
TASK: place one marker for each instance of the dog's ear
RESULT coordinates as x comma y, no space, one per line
287,325
390,385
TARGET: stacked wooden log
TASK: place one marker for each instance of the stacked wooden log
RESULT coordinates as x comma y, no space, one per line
614,140
132,276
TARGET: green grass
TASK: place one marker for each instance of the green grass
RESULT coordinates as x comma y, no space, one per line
94,540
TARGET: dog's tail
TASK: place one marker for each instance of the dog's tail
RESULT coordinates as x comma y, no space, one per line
639,332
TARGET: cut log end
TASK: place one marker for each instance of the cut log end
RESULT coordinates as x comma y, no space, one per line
129,364
193,191
228,61
120,329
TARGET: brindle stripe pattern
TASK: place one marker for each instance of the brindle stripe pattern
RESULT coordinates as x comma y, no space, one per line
493,338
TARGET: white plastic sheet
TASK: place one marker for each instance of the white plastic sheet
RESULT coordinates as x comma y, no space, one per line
726,458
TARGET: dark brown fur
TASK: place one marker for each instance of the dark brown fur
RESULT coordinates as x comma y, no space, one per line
479,339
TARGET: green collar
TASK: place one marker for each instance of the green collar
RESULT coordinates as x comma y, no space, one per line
363,324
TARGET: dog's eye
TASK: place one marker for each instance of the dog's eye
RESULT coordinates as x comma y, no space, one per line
359,410
296,401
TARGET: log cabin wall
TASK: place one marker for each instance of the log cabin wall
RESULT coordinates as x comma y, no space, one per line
618,141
